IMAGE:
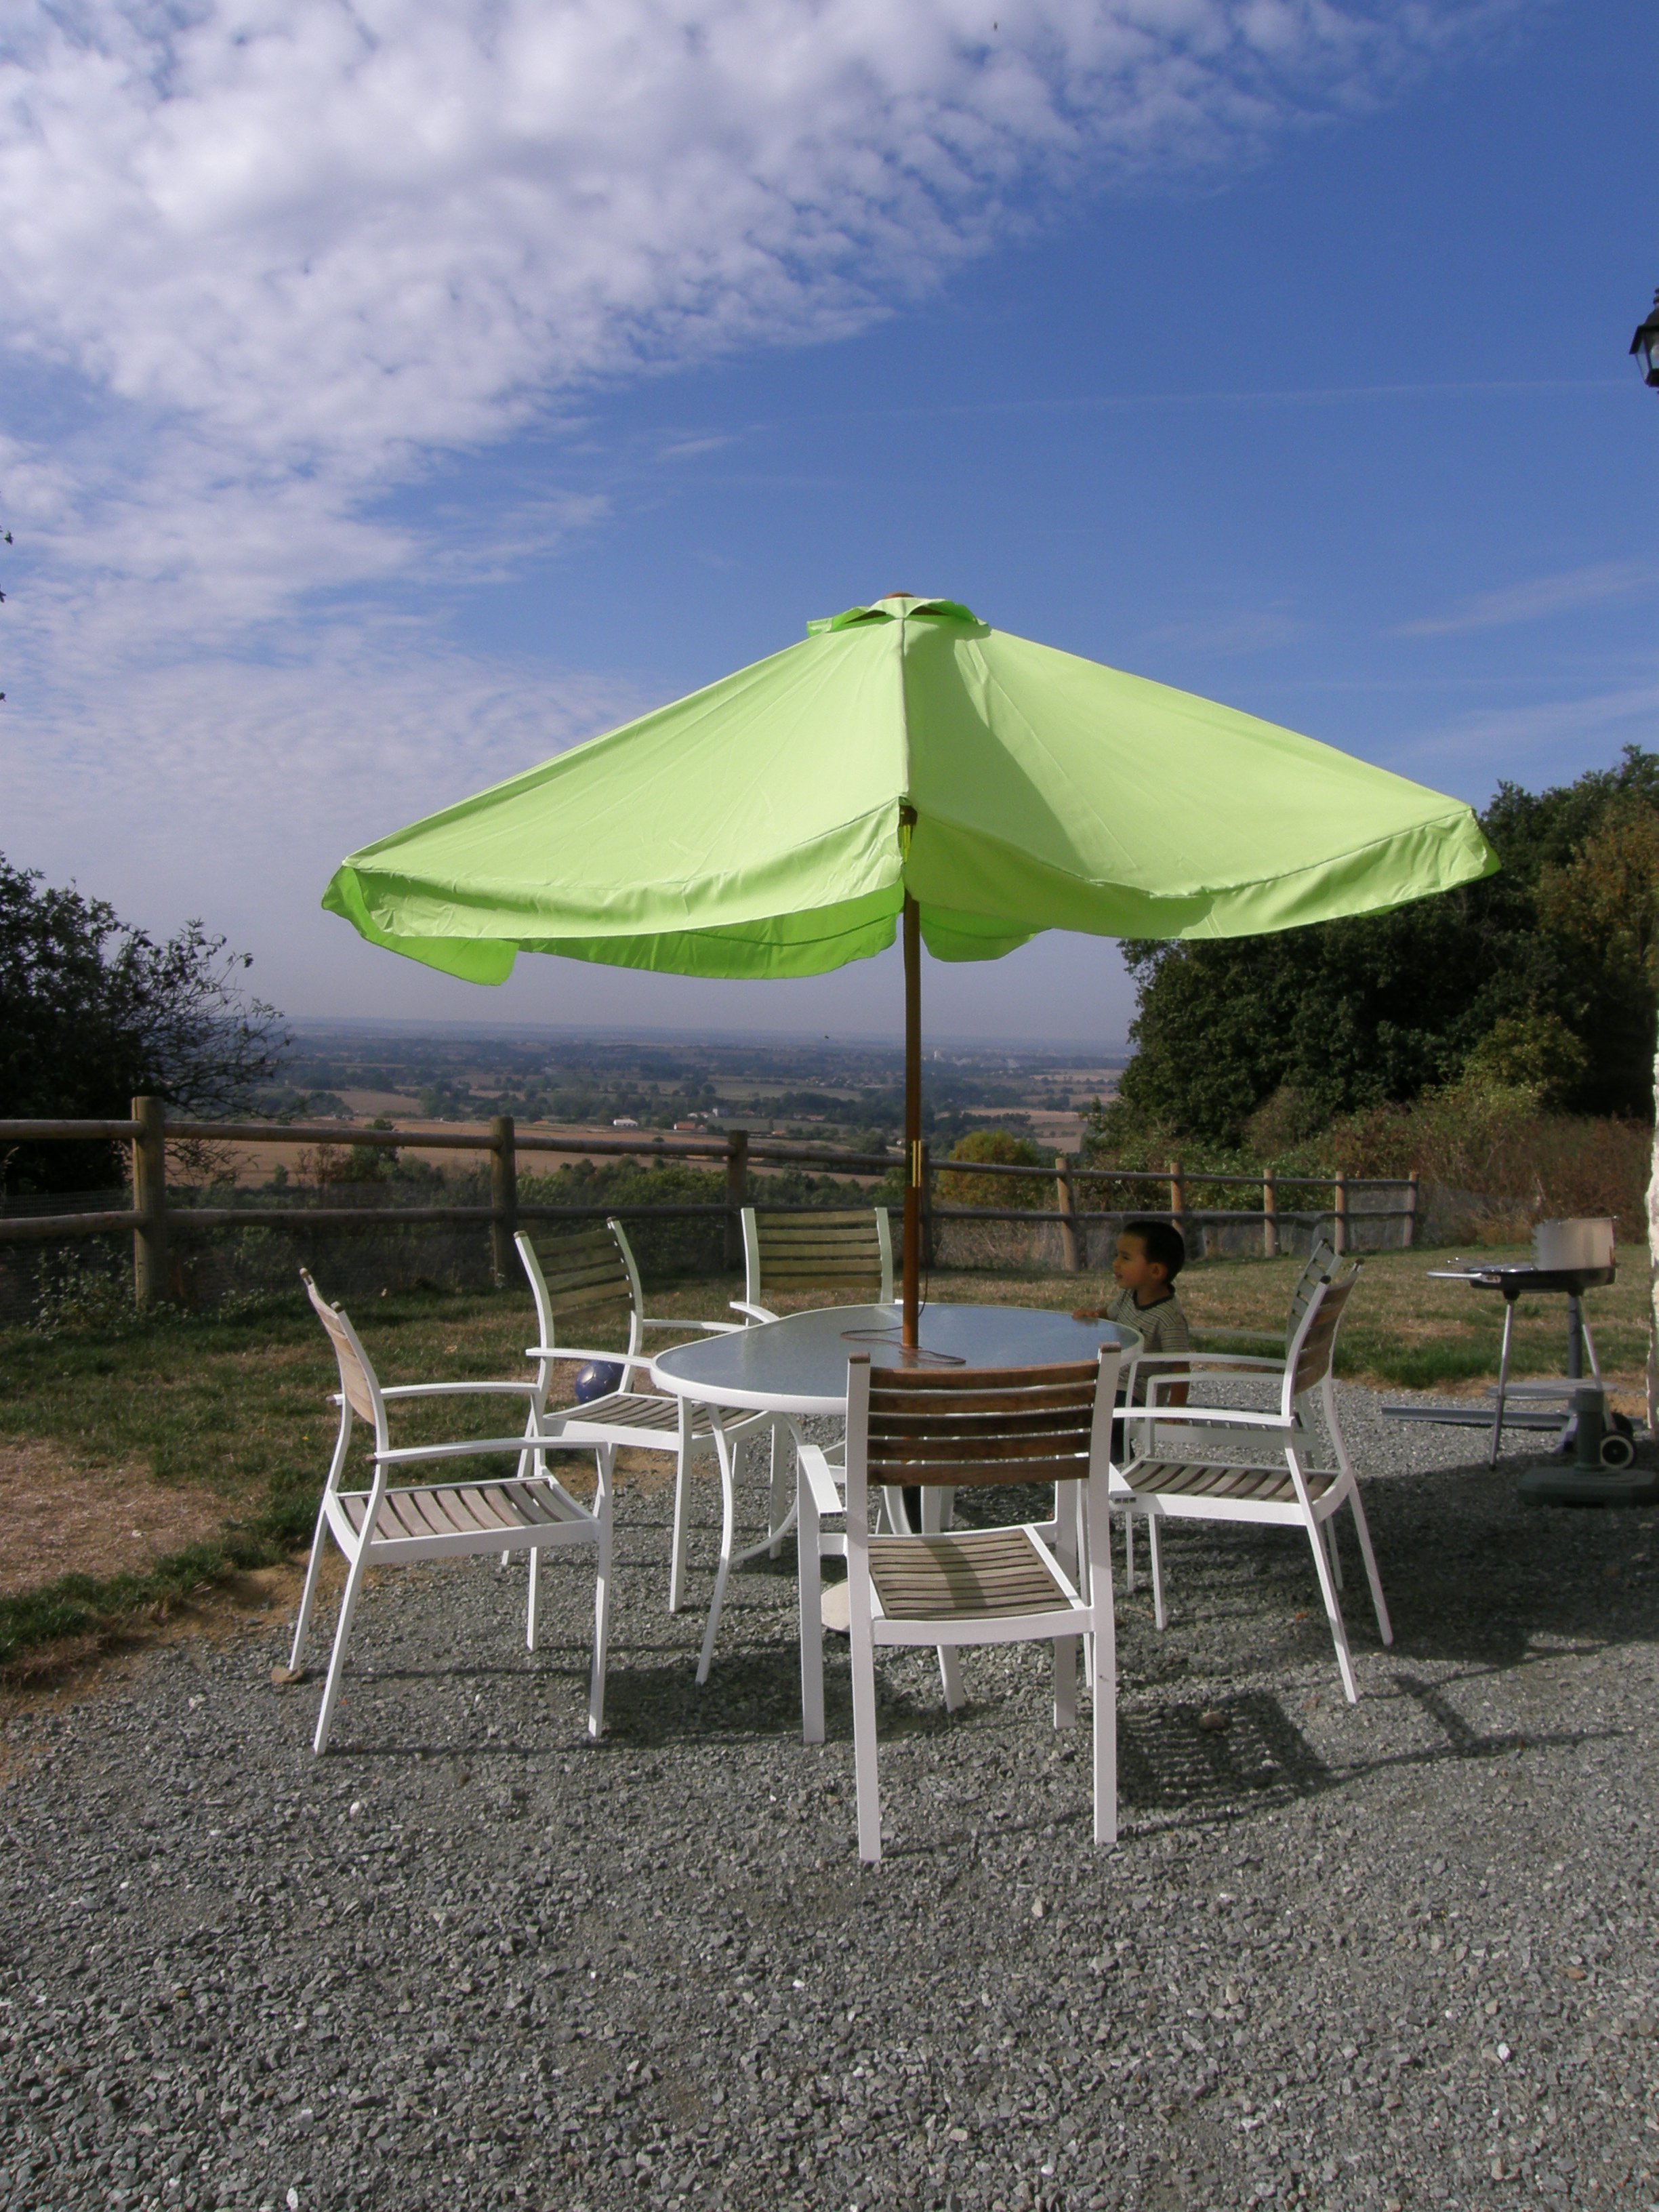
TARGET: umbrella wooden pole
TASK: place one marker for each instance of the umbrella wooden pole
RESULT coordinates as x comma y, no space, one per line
908,1337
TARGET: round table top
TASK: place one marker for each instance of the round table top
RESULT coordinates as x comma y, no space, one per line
798,1363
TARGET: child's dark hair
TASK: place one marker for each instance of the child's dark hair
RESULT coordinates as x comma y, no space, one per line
1166,1247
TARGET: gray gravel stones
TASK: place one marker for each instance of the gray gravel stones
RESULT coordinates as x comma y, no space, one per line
1401,1954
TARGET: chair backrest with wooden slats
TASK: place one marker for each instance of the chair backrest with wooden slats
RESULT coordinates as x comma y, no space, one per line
358,1387
590,1276
1314,1346
842,1257
1322,1265
927,1426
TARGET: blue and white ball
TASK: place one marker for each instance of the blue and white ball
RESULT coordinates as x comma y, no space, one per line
598,1380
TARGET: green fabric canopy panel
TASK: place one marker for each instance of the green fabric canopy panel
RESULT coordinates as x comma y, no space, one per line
753,829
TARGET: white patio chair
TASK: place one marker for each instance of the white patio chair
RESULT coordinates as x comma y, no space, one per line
1289,1490
1236,1366
388,1527
931,1426
839,1258
592,1275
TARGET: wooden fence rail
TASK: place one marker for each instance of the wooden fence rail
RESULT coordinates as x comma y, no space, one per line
153,1220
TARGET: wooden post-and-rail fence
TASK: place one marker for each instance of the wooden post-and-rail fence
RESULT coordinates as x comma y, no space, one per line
154,1222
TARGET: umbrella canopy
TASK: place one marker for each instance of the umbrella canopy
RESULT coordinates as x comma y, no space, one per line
905,759
753,829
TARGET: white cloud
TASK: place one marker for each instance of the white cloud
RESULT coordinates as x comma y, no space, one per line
1512,737
1248,630
262,263
297,244
1537,601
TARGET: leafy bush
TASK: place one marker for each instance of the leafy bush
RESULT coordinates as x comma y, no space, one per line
998,1147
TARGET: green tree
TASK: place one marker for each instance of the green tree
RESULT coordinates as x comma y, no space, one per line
92,1012
999,1147
1559,948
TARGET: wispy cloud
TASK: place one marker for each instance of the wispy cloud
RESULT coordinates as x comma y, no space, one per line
1505,737
295,249
1537,600
1246,629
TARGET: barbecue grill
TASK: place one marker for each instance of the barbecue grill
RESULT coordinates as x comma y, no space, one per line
1570,1257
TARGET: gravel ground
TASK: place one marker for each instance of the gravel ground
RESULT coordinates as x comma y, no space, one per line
1394,1955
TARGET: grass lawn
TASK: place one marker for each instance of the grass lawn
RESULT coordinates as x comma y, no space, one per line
237,1407
1403,1330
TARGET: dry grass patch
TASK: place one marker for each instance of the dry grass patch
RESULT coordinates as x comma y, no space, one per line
62,1520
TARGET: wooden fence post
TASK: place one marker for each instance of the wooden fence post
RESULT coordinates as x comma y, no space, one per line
737,1192
927,1204
503,1197
1269,1214
1410,1223
1071,1257
1178,1202
149,1198
1339,1219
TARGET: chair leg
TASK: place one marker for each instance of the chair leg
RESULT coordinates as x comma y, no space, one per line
1129,1551
337,1660
812,1617
535,1591
728,1522
308,1594
1333,1610
864,1749
1335,1551
1385,1626
1103,1692
1159,1616
950,1676
601,1608
1503,1383
1065,1681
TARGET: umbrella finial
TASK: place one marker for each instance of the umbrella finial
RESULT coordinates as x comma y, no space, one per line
896,595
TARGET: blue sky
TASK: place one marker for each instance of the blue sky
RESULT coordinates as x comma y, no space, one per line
388,411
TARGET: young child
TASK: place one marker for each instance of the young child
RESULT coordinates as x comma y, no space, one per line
1150,1256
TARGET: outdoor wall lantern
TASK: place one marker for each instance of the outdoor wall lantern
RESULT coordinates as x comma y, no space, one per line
1645,345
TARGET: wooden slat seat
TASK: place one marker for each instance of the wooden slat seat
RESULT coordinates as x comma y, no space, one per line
634,1409
972,1573
456,1508
1260,1486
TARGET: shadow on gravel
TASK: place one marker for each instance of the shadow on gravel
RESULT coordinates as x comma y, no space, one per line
1168,1761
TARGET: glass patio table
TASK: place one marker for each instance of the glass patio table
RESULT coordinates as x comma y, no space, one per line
798,1363
796,1368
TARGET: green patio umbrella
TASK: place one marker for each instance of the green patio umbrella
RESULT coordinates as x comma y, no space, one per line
905,766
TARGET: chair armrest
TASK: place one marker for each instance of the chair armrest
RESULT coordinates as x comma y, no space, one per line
819,1479
710,1328
571,1353
1193,1360
1249,1335
755,1313
1240,1417
406,1454
455,1389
